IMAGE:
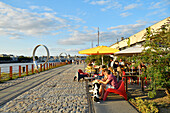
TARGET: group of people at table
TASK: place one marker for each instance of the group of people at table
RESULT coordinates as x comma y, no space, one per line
109,76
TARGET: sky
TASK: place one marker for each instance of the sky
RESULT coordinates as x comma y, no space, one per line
68,26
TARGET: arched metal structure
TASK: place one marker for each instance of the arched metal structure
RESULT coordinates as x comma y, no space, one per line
36,66
61,54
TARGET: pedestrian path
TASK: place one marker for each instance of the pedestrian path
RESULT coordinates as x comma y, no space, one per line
115,104
54,91
11,91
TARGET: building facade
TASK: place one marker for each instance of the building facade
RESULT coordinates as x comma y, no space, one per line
137,39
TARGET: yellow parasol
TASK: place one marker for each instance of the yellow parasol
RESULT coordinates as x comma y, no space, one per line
99,50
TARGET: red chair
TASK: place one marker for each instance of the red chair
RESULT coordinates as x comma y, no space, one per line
129,78
121,91
81,72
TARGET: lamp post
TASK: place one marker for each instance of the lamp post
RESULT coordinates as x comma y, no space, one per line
98,36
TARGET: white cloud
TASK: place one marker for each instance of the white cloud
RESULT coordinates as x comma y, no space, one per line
112,5
125,14
105,37
77,19
83,38
159,12
131,6
56,33
16,21
102,2
155,5
47,9
85,0
73,50
108,4
34,7
41,8
158,5
78,38
130,26
58,51
128,30
15,38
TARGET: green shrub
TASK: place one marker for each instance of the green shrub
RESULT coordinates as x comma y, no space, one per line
145,106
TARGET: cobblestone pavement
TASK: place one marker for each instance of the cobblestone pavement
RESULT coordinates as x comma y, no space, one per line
59,94
19,80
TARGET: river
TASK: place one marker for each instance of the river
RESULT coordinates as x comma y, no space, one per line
15,66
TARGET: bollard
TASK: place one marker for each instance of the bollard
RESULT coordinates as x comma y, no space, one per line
19,71
23,69
44,67
47,66
0,74
10,74
40,67
32,69
26,69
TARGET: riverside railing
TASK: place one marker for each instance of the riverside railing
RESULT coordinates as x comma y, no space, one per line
18,71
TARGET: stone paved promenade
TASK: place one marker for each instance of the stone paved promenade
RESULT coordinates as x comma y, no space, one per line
51,91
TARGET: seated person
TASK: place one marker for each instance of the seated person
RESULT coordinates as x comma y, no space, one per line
109,81
80,74
112,71
115,65
90,69
101,73
119,73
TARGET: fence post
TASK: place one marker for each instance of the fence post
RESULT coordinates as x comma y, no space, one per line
19,71
32,69
10,72
26,69
44,67
40,67
0,74
47,66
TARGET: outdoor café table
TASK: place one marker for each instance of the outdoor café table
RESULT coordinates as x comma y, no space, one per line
126,84
131,74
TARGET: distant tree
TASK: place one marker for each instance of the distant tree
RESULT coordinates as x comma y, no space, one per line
5,58
36,57
98,59
24,59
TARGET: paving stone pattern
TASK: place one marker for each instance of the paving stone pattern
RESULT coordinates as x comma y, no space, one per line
59,94
22,79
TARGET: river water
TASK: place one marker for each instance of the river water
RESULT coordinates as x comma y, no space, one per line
15,66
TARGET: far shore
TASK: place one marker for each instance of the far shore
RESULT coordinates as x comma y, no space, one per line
5,62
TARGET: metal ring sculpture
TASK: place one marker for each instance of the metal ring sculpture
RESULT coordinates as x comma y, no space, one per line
46,50
61,54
